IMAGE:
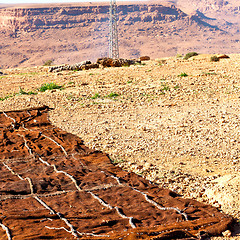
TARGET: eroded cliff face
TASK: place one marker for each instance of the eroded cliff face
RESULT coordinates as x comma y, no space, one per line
65,17
73,33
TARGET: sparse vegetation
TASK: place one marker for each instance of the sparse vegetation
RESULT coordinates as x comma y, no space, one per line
183,74
92,74
112,95
22,92
140,63
48,63
214,58
145,94
27,73
49,86
179,55
97,103
190,54
164,89
117,160
209,73
6,97
95,96
73,97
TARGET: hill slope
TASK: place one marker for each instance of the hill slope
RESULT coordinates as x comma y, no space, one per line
179,132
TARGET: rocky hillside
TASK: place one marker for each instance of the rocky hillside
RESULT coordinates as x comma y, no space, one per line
29,19
173,121
31,35
226,14
216,8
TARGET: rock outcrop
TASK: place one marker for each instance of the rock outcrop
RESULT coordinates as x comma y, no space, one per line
85,65
15,19
109,62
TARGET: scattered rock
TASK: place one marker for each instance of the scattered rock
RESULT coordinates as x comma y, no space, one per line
222,56
110,62
227,233
85,65
144,58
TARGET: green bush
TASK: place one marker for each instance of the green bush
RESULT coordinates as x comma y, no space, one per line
190,54
183,74
112,95
95,96
23,92
6,97
48,63
49,86
214,59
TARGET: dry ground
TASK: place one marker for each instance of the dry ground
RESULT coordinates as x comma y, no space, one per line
180,132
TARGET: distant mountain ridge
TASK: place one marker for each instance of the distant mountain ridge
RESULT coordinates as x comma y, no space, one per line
15,19
228,10
75,32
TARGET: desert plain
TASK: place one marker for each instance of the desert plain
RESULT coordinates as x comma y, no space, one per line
173,121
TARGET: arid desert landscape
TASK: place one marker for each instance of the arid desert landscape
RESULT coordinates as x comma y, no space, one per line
70,33
172,121
120,149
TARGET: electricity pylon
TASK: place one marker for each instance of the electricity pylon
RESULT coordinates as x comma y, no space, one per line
113,31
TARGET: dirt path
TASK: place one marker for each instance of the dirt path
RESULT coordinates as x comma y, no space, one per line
179,132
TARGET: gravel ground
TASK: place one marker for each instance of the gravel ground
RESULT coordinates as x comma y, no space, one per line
181,132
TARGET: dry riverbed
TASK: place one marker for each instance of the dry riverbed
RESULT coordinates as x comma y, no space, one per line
175,122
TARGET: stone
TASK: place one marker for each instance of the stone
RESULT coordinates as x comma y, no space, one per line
110,62
144,58
227,233
222,56
85,65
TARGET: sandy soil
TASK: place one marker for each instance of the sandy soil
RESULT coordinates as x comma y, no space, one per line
180,132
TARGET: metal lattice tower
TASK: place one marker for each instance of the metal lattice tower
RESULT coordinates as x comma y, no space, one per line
113,31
